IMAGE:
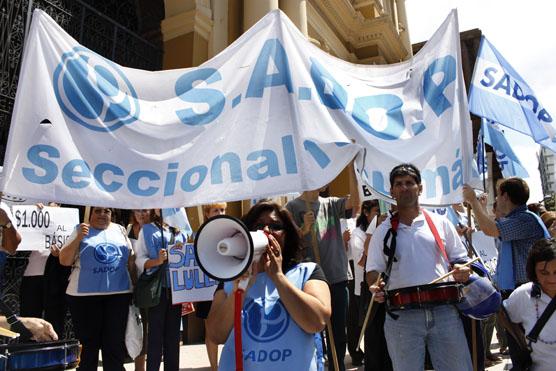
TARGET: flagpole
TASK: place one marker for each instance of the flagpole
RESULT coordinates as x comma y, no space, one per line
484,154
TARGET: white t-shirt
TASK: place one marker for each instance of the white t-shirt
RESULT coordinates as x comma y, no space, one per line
36,263
419,260
524,309
357,245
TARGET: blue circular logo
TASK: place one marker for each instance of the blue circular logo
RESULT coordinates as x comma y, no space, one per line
94,92
107,253
265,327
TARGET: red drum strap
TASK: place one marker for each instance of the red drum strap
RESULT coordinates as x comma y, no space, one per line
437,238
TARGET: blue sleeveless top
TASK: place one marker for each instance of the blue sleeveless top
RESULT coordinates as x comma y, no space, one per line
103,256
271,338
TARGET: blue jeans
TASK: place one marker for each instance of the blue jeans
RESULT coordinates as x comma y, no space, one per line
438,328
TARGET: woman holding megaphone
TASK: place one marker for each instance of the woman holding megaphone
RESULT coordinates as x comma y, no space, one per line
285,303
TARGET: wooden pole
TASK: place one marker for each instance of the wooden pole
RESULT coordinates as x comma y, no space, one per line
473,322
316,254
363,329
87,214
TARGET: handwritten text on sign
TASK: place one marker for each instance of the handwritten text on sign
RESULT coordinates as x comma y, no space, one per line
40,228
189,282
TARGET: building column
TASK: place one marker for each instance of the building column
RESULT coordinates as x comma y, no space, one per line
219,27
403,26
253,10
296,10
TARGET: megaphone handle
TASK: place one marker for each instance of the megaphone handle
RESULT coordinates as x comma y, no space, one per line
237,328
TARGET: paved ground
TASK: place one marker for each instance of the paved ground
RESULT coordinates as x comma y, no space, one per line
194,358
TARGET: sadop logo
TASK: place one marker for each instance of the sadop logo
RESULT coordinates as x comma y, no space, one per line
94,92
263,327
107,253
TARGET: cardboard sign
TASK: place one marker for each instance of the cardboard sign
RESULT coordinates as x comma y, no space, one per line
486,248
40,228
189,282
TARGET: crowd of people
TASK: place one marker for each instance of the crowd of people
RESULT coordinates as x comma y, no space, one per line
307,298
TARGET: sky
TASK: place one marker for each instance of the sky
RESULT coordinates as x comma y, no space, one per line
524,32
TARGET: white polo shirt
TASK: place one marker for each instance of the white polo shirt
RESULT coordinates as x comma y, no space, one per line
419,260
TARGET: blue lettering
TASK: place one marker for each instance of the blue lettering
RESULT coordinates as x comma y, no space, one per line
50,169
269,164
171,177
186,92
286,353
172,263
518,92
429,178
260,80
99,177
135,178
289,154
457,169
394,118
189,257
250,355
176,285
234,164
318,154
489,73
188,184
434,94
331,94
71,170
504,83
262,356
533,100
198,283
275,355
544,116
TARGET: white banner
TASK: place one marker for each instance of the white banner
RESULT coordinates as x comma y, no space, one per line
271,114
40,228
189,282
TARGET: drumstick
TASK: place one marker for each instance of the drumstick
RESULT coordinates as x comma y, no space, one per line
452,271
7,333
367,316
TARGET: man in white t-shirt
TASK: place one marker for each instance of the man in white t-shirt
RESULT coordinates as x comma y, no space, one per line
418,261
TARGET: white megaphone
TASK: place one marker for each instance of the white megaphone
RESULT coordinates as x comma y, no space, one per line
225,248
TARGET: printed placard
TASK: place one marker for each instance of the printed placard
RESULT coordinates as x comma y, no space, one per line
486,248
189,282
40,228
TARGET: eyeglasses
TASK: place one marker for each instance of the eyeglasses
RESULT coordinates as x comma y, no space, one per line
273,227
142,210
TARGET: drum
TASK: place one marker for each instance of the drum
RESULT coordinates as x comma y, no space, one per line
53,355
424,296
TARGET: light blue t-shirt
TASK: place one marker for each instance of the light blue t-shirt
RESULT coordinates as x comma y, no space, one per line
271,338
103,257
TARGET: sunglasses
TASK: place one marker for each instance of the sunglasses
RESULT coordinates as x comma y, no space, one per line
273,227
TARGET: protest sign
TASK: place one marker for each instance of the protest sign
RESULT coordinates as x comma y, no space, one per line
40,228
486,248
189,282
271,114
